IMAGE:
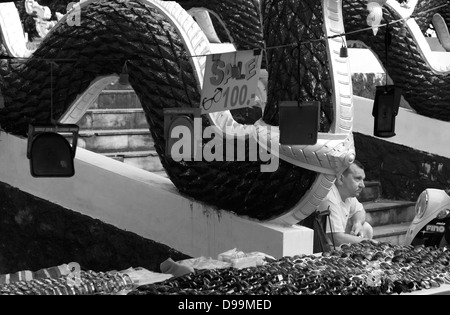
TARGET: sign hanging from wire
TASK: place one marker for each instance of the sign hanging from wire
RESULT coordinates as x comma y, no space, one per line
230,81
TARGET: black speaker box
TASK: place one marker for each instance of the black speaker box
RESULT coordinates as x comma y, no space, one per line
385,109
50,153
51,156
299,122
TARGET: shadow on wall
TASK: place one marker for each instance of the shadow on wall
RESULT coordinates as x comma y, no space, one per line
402,171
37,234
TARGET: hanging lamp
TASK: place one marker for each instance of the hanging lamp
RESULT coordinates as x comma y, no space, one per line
343,52
387,101
299,120
49,151
124,77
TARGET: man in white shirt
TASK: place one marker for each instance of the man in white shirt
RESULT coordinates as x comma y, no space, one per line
347,220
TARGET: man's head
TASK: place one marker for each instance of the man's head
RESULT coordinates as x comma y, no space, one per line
351,182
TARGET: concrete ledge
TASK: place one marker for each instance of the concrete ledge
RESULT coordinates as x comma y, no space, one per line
148,205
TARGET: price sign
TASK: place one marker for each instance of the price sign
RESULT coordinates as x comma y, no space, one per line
230,81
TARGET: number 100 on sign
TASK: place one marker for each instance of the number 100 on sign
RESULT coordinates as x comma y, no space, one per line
230,81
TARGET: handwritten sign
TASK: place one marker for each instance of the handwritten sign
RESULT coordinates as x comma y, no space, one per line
230,81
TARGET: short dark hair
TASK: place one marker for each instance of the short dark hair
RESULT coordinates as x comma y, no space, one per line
355,162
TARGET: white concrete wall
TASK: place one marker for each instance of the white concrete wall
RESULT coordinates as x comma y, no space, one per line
412,130
363,60
148,205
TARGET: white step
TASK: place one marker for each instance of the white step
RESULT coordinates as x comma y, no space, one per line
392,233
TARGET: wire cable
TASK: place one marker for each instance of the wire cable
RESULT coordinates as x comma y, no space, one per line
255,49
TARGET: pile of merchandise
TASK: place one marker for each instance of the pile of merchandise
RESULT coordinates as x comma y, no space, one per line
86,283
358,269
365,268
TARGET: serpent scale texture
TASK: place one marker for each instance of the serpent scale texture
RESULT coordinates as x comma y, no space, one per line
162,77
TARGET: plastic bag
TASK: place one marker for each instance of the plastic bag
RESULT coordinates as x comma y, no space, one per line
239,259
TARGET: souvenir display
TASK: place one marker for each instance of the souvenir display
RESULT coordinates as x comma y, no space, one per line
358,269
89,283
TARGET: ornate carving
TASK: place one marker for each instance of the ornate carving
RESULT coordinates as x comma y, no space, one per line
41,16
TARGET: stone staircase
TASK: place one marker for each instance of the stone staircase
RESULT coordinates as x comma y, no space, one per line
390,218
115,126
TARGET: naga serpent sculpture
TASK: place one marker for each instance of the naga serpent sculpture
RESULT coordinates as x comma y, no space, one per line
423,78
164,44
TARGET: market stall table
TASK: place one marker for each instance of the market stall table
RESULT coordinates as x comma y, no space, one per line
366,268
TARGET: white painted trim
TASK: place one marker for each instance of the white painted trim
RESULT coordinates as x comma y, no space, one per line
84,101
439,62
12,31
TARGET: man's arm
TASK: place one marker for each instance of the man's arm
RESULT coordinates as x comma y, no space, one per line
344,238
357,221
356,233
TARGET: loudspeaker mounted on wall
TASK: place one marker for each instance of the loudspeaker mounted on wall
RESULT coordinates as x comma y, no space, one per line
385,109
49,152
299,122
